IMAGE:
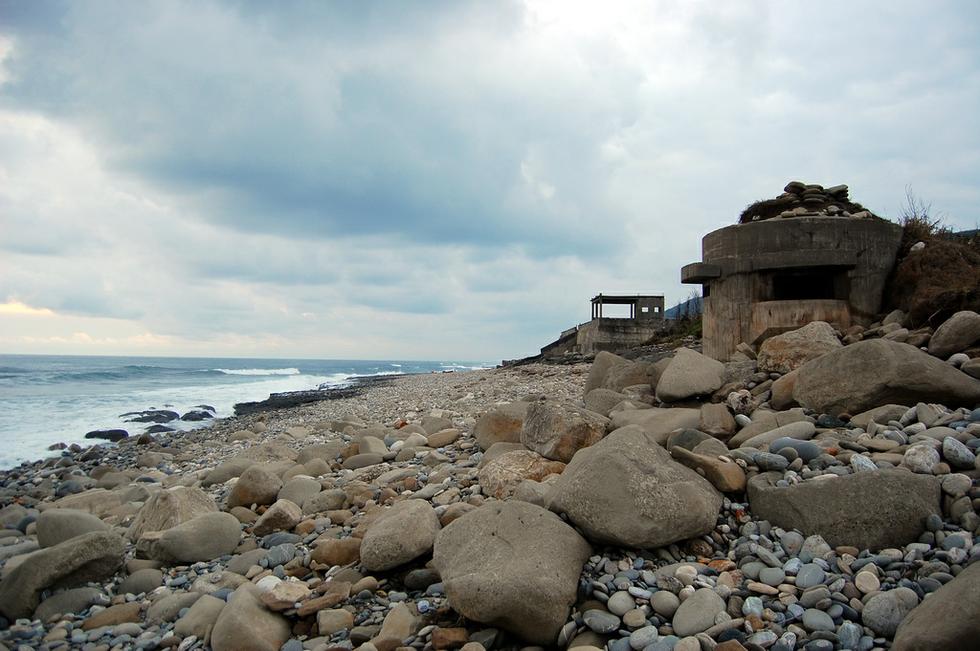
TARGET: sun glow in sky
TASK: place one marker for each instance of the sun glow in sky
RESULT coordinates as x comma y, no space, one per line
438,179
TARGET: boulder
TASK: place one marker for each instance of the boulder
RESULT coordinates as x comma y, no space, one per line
244,624
12,514
501,476
362,460
114,435
557,431
884,611
791,350
652,502
55,526
512,565
337,551
169,508
113,616
876,372
283,515
658,423
726,476
601,365
957,333
782,392
200,618
140,581
167,607
601,401
716,420
92,556
401,534
628,374
330,500
432,424
947,619
326,451
869,510
256,485
882,414
763,422
801,431
204,538
442,438
97,501
689,374
226,470
697,613
69,602
298,489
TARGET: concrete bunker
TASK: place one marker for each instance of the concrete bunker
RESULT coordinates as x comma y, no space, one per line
646,319
810,254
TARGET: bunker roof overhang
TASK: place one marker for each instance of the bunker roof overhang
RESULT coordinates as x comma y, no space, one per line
622,299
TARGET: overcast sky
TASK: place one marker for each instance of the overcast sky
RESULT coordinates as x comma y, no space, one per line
436,180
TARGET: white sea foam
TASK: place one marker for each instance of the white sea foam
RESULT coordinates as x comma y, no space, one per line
43,421
258,371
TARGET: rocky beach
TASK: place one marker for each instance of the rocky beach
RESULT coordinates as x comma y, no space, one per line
817,493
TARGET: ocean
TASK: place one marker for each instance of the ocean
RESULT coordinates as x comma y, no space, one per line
46,399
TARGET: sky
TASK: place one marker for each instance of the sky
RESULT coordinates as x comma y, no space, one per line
436,180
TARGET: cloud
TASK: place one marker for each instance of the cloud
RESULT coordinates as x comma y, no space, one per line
439,180
17,308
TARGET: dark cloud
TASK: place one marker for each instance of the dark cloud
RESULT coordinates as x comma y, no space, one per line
317,125
445,175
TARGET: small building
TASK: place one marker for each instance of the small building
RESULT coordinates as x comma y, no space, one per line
810,254
646,319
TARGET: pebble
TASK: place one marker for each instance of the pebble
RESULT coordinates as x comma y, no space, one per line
866,582
620,603
665,603
643,637
809,575
600,621
817,620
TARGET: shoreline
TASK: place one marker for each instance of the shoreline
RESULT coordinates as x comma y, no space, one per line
345,524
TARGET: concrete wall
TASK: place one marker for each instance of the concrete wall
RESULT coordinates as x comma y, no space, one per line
744,268
604,334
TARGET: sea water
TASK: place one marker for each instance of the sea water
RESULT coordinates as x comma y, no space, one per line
46,399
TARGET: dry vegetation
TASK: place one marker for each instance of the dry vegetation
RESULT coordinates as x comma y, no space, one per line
940,279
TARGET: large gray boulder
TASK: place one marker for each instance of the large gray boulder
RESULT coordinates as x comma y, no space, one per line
403,533
947,619
257,485
957,333
204,538
791,350
689,374
628,374
169,508
656,422
226,470
298,489
626,490
878,372
557,430
513,565
601,365
92,556
244,624
500,477
502,424
869,510
601,401
55,526
70,602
